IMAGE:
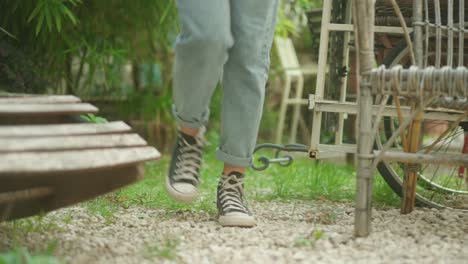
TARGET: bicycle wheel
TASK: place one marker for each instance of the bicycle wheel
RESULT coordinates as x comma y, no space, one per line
438,185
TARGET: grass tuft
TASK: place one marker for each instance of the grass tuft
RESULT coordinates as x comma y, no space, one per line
310,240
22,255
310,180
166,249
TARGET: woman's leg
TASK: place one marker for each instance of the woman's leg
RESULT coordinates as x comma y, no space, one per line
201,51
245,74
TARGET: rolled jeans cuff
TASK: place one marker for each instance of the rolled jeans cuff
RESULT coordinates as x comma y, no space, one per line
233,160
181,122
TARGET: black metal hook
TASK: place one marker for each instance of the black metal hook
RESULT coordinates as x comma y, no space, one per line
283,161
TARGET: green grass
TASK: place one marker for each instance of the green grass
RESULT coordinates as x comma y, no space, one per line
166,249
21,255
310,239
35,224
150,192
303,180
15,232
310,180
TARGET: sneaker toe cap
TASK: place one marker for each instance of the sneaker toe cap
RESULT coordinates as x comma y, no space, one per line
185,188
237,219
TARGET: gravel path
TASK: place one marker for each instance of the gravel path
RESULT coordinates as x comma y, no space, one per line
295,232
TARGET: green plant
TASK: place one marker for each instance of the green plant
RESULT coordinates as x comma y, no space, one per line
310,239
24,256
2,30
105,206
284,25
305,179
291,16
166,249
62,37
35,224
94,119
50,14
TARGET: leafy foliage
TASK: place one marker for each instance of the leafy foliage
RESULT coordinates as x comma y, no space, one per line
94,119
52,12
17,72
68,38
291,16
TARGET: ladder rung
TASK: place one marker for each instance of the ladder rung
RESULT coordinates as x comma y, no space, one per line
301,101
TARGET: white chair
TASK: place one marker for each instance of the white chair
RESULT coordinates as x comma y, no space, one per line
293,77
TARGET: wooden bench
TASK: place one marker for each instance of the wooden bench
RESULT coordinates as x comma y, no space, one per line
50,158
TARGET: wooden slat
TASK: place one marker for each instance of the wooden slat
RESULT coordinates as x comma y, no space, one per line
63,129
47,109
67,188
48,99
27,194
70,142
64,161
13,95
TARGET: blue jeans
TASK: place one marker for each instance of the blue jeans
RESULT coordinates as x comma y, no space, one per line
228,41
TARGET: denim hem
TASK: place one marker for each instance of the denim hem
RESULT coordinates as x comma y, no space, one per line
191,124
233,160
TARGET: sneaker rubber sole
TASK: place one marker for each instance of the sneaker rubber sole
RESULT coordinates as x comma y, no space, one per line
237,221
180,196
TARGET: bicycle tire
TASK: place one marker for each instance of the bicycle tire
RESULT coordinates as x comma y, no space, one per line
395,181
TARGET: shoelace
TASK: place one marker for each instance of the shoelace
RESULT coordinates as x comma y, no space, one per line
231,194
189,161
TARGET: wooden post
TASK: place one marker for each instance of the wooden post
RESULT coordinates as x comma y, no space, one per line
364,27
411,170
418,32
344,85
322,65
